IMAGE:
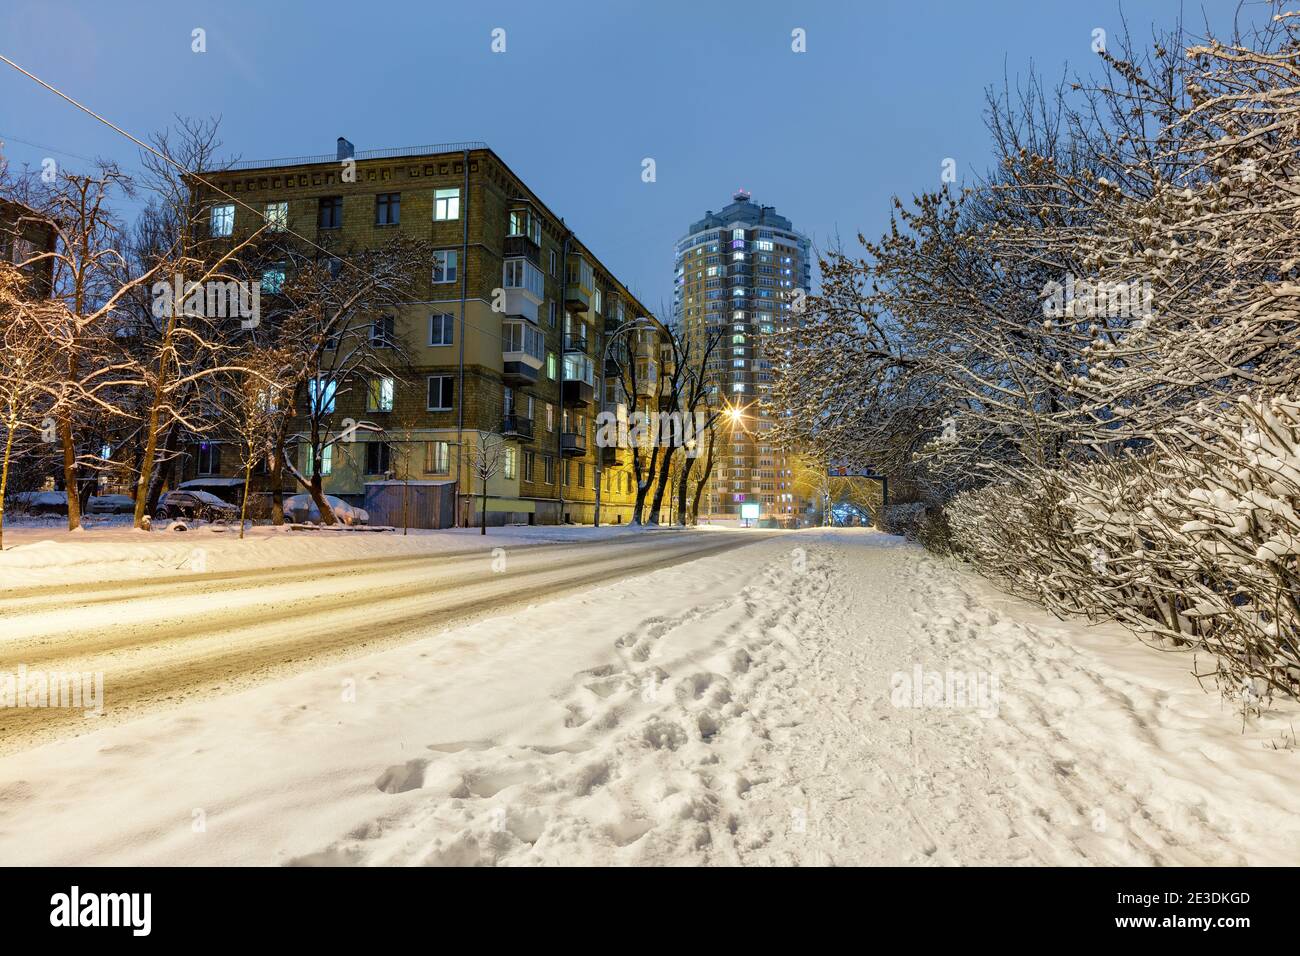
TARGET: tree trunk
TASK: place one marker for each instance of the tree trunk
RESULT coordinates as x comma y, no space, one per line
704,479
4,480
683,482
665,474
327,516
70,472
482,521
243,505
277,483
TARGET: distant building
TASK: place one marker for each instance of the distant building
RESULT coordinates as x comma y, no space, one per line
739,270
25,233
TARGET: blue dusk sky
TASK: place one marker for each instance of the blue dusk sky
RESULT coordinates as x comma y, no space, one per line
711,90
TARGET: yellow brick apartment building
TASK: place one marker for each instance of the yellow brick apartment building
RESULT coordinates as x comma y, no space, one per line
527,371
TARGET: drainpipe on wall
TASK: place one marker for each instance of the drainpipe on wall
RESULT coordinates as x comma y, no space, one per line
460,361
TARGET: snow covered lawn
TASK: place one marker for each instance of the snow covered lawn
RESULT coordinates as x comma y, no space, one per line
753,707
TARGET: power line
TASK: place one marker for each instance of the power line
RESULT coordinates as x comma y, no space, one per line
216,189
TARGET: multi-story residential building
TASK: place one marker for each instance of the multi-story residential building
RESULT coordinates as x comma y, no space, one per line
25,233
505,337
740,272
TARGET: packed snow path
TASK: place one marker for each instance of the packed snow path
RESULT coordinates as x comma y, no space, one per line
740,708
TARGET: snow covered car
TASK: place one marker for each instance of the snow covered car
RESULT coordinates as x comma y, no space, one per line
111,505
195,504
41,502
302,508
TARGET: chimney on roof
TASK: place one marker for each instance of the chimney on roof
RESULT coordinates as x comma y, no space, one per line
346,150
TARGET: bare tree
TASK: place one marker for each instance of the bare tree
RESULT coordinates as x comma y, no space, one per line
489,458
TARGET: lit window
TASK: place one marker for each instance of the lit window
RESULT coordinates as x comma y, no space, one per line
437,457
277,216
511,454
380,397
320,395
326,461
223,220
273,279
446,204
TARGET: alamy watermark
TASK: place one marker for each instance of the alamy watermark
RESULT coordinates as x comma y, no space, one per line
652,430
1085,299
214,299
36,688
952,690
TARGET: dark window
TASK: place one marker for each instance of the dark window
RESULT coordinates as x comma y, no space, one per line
388,209
377,457
330,213
382,332
209,458
440,393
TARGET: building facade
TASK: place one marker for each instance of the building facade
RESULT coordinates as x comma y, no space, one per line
504,342
741,271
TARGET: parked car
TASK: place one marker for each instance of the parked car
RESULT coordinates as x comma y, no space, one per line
111,505
195,504
41,502
302,508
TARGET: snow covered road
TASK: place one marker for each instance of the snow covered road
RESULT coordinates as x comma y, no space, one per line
758,706
159,641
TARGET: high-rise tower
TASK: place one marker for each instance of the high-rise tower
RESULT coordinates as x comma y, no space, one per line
739,272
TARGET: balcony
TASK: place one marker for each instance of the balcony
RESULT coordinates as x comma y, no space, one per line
520,304
522,351
575,342
576,299
523,246
572,444
578,386
611,457
577,392
516,426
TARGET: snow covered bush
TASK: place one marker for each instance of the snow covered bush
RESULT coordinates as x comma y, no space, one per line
1194,543
902,519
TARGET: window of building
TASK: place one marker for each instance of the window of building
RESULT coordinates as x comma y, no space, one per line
437,457
320,395
388,209
550,365
329,214
530,463
442,328
277,216
209,458
444,265
524,223
582,475
223,220
522,274
273,279
383,332
441,393
508,467
378,457
326,461
550,419
446,204
551,312
555,269
379,396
